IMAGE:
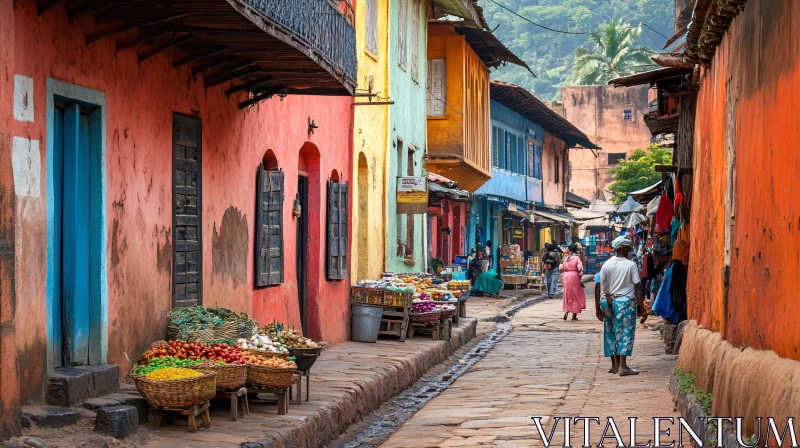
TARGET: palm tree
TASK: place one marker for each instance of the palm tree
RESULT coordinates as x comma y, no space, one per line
614,55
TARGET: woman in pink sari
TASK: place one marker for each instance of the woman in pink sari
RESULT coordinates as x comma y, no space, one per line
574,297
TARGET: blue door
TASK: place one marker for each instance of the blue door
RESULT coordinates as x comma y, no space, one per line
71,310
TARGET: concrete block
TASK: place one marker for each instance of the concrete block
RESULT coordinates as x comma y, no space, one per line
105,377
117,421
68,387
49,416
131,399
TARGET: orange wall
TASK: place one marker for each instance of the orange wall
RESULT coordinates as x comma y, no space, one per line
464,130
141,98
754,74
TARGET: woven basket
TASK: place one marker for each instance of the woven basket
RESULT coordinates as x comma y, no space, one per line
174,334
305,357
267,353
180,393
433,316
448,313
229,376
274,377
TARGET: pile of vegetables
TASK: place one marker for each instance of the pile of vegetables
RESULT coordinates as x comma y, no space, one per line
425,306
289,338
196,351
270,361
193,318
168,362
262,342
171,373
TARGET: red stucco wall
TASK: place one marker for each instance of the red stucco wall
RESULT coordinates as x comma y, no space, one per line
141,98
755,71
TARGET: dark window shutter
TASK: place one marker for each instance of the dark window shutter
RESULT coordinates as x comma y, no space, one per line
269,225
337,227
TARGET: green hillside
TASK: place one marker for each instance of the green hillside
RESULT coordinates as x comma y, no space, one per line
550,54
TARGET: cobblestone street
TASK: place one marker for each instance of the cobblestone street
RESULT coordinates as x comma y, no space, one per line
546,367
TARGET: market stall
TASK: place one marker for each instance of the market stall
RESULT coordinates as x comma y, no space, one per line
411,303
217,353
512,271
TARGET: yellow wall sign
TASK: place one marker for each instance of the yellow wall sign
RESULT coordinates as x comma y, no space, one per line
518,232
412,195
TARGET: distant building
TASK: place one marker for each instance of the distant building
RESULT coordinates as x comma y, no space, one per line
611,118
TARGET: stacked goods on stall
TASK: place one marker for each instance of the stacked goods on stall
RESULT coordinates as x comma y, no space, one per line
304,351
226,361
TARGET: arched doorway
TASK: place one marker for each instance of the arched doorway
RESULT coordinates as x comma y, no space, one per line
308,224
362,239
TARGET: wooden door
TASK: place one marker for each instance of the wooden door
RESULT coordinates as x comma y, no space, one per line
187,256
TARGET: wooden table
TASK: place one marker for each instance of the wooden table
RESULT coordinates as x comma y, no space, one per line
298,381
191,412
281,393
234,395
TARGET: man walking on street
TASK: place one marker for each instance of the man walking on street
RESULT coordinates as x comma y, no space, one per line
621,288
550,262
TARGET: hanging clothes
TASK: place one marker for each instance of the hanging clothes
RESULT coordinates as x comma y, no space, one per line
677,289
664,214
676,226
663,304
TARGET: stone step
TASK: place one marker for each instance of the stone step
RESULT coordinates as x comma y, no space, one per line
70,386
121,398
49,416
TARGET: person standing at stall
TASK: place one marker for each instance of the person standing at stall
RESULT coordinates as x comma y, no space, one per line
550,262
574,297
621,286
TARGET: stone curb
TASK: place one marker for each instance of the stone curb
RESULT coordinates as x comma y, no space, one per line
325,423
696,416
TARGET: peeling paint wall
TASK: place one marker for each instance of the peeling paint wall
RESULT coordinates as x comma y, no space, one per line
598,112
141,98
407,122
759,66
370,147
555,167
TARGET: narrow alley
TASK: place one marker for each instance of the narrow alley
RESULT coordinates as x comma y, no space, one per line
544,367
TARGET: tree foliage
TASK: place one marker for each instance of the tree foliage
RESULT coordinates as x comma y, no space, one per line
615,54
637,171
550,54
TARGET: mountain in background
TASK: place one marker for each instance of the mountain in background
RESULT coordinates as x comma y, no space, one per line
550,54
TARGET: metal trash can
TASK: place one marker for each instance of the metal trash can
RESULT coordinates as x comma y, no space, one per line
365,322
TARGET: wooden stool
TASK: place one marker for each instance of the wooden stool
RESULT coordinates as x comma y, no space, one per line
298,381
435,328
194,411
281,393
234,397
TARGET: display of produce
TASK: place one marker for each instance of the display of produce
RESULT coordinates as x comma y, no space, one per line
456,285
262,342
164,362
192,319
270,361
172,373
289,338
425,306
195,351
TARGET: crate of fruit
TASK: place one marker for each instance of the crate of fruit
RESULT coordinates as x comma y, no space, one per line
374,296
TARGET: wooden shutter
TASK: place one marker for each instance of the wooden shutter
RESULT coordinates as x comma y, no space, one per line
269,225
436,94
337,227
402,33
495,147
415,5
187,250
372,25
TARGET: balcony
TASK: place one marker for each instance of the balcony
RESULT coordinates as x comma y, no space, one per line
267,47
507,185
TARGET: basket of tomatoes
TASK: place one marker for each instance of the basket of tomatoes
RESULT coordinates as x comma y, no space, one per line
228,362
270,371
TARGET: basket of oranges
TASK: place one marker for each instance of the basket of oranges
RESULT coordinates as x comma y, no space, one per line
270,371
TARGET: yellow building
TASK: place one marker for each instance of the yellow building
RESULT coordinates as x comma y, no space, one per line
370,136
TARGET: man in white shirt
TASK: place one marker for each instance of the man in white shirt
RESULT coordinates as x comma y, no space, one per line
622,298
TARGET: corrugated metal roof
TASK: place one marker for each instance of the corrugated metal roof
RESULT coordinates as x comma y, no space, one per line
524,103
465,9
649,77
